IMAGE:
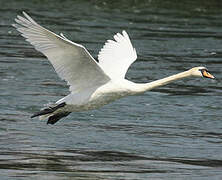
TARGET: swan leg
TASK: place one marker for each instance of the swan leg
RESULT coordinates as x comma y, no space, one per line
48,110
52,114
54,118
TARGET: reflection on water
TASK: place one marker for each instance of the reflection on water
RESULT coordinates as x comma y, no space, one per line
173,132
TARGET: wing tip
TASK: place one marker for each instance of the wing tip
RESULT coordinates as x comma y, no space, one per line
124,32
26,14
29,18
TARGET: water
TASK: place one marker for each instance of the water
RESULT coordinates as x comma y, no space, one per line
173,132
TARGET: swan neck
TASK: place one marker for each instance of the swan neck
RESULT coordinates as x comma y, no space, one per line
164,81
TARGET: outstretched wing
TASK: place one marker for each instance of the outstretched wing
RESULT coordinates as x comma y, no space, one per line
70,60
117,55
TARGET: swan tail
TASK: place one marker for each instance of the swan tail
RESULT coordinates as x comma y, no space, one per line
52,113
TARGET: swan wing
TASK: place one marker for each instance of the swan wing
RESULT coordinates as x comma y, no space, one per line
117,55
71,61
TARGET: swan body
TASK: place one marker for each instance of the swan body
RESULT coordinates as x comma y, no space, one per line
92,84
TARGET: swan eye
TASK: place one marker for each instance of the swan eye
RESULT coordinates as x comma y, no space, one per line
206,74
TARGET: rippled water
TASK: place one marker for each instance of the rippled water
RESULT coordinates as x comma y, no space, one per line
173,132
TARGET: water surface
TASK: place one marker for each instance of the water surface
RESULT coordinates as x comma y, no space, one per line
173,132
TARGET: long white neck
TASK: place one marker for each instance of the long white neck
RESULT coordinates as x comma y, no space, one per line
148,86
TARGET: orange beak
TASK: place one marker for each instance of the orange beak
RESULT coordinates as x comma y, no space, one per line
207,74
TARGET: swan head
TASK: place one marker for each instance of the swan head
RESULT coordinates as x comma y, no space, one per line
201,72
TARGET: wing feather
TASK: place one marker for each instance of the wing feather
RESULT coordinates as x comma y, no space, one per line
117,55
70,60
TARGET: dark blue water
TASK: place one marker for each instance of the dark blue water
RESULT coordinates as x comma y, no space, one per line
172,132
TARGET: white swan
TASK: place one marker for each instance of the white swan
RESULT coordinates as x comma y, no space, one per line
92,84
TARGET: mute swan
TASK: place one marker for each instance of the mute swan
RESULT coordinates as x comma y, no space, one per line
92,84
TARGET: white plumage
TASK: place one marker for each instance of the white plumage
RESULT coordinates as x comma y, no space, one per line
92,84
116,56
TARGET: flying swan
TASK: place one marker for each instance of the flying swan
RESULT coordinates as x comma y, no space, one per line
92,84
